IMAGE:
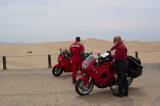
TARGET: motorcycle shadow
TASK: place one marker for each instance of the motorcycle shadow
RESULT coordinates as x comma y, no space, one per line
106,96
67,76
137,92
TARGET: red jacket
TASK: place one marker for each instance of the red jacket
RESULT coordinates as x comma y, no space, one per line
120,51
76,48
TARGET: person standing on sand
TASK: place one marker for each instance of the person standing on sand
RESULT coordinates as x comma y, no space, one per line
121,62
77,52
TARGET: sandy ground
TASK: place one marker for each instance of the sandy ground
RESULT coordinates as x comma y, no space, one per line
28,83
38,87
18,58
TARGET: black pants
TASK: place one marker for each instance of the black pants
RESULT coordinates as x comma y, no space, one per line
122,67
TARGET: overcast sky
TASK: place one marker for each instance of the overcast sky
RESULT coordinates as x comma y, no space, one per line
56,20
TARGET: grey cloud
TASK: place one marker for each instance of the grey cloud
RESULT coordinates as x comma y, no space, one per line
45,20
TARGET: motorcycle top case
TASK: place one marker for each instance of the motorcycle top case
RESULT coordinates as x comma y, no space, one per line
135,67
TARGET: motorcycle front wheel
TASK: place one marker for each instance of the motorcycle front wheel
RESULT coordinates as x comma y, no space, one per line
83,89
57,71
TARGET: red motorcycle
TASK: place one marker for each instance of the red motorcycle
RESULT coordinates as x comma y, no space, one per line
100,72
64,63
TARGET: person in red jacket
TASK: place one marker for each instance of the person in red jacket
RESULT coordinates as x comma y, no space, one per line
77,52
121,62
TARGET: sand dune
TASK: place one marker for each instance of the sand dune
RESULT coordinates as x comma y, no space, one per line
148,52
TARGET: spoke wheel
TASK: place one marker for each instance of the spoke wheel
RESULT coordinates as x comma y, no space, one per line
57,71
83,89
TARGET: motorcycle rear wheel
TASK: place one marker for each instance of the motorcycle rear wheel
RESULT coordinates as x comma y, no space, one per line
57,71
130,80
115,88
83,90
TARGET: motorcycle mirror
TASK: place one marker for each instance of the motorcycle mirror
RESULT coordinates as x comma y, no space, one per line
60,49
98,54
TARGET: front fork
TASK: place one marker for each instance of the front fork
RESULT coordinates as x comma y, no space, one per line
86,79
59,65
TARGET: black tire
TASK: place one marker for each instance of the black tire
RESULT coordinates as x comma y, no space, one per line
130,80
81,89
57,71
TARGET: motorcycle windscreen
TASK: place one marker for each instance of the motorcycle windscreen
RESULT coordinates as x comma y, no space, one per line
63,52
86,63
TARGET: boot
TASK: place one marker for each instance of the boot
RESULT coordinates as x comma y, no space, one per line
74,81
125,92
119,94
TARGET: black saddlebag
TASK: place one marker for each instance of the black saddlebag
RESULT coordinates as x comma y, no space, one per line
134,67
